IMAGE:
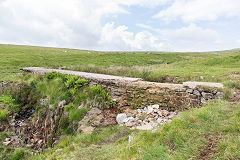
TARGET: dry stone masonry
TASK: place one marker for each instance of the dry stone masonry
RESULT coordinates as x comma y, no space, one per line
137,94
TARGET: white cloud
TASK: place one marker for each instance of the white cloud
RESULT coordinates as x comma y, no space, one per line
79,24
238,42
191,38
194,10
144,26
65,23
191,33
145,3
119,38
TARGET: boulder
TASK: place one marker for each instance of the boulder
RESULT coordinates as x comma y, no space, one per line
121,118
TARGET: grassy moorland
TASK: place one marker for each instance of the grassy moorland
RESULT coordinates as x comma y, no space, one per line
212,66
210,132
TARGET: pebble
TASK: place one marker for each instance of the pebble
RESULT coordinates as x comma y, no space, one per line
58,150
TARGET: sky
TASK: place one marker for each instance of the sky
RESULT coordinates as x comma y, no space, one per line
122,25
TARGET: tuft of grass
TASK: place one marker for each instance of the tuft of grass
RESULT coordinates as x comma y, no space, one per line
3,115
77,114
10,102
99,96
232,84
17,155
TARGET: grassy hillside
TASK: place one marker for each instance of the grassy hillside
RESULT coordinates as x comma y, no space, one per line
213,66
210,132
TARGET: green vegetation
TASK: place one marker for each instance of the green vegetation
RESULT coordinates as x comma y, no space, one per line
3,115
213,66
9,101
7,153
99,97
186,137
210,132
75,91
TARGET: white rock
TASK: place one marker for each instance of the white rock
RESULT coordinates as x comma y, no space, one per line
121,117
81,106
6,143
58,150
160,120
139,110
172,114
154,130
150,109
131,119
125,120
140,121
154,125
155,106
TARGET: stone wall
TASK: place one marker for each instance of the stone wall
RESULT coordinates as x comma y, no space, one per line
135,93
171,97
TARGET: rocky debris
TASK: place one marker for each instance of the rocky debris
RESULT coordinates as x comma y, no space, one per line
145,119
110,115
34,132
14,140
6,143
91,120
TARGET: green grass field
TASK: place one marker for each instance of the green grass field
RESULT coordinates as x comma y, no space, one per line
210,132
213,66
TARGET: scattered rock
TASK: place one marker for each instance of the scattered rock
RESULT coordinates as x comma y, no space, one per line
145,119
7,143
155,106
81,106
154,130
59,150
121,117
